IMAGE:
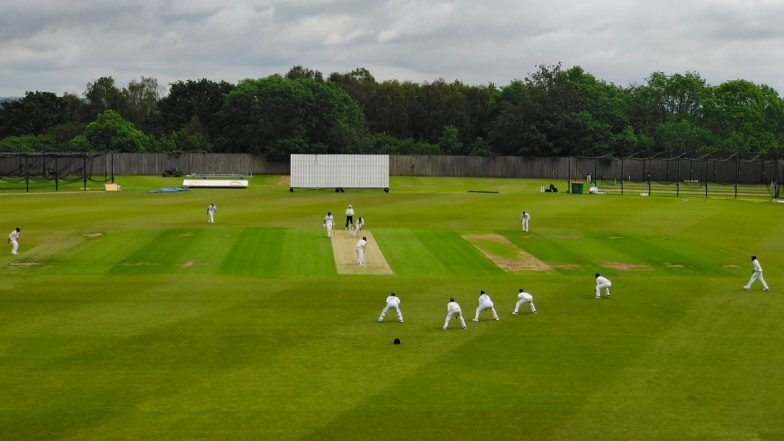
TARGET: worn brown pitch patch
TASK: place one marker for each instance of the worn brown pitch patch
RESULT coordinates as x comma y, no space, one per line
25,264
627,266
522,261
187,264
674,265
730,266
91,235
567,266
567,236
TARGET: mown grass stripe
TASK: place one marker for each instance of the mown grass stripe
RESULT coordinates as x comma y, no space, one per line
256,252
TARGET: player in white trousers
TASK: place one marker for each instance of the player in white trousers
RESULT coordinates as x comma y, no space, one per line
211,209
358,226
329,223
13,239
453,310
523,298
602,283
756,275
360,249
485,302
525,218
393,302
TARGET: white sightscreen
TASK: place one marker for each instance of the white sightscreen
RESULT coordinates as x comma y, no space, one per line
344,171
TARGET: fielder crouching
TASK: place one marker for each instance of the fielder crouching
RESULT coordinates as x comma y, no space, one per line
453,310
485,303
393,302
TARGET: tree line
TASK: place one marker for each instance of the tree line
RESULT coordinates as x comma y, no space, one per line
553,111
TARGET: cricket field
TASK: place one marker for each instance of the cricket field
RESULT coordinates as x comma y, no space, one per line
126,316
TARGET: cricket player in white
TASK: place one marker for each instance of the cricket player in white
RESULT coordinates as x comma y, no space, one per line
13,239
523,298
329,223
211,209
485,303
349,217
453,310
358,227
756,275
360,249
602,283
393,302
525,218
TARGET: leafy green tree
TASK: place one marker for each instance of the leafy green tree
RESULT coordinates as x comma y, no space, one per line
201,99
27,143
110,132
480,148
62,134
410,146
192,138
450,141
745,118
278,117
682,136
669,110
75,109
558,112
419,111
303,73
388,112
79,144
32,115
102,95
141,101
166,143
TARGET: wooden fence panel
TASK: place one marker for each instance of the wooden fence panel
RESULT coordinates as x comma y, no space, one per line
661,170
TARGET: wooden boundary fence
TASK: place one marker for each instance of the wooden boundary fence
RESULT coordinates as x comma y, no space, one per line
660,170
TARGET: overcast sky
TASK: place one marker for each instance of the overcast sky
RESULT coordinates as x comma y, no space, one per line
60,45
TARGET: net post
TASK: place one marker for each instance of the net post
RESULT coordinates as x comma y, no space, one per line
706,177
56,175
622,175
737,175
84,171
678,181
569,175
667,170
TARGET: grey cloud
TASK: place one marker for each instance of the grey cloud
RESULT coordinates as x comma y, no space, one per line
58,46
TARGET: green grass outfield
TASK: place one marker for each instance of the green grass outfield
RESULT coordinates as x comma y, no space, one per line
167,328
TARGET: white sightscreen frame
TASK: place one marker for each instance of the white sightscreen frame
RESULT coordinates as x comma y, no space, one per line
340,171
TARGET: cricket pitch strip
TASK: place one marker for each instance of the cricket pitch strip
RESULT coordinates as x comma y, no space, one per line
343,244
505,254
